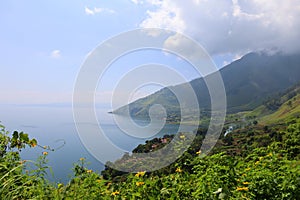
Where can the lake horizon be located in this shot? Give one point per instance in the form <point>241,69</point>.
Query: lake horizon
<point>54,126</point>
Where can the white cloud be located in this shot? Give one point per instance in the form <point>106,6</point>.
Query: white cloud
<point>237,12</point>
<point>55,54</point>
<point>181,45</point>
<point>235,27</point>
<point>225,63</point>
<point>96,10</point>
<point>237,57</point>
<point>166,16</point>
<point>88,11</point>
<point>137,2</point>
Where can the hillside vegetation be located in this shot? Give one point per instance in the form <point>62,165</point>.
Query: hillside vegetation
<point>253,162</point>
<point>248,82</point>
<point>279,108</point>
<point>263,167</point>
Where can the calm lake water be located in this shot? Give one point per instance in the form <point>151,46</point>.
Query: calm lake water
<point>53,126</point>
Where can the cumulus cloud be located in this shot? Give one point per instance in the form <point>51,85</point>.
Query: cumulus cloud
<point>55,54</point>
<point>236,26</point>
<point>167,15</point>
<point>96,10</point>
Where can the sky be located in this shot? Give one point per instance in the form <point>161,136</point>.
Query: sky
<point>44,43</point>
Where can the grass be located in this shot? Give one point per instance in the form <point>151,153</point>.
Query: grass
<point>290,109</point>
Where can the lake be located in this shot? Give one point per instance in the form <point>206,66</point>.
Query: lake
<point>53,125</point>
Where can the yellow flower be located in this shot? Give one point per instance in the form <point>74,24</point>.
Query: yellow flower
<point>60,185</point>
<point>89,171</point>
<point>198,152</point>
<point>257,162</point>
<point>45,153</point>
<point>115,193</point>
<point>33,145</point>
<point>260,158</point>
<point>139,183</point>
<point>246,183</point>
<point>247,169</point>
<point>242,189</point>
<point>45,147</point>
<point>182,137</point>
<point>81,159</point>
<point>139,174</point>
<point>269,155</point>
<point>178,170</point>
<point>22,162</point>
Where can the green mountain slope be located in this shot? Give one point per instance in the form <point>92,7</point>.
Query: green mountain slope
<point>280,109</point>
<point>248,81</point>
<point>277,108</point>
<point>288,110</point>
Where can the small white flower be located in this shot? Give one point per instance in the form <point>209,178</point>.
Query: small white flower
<point>218,191</point>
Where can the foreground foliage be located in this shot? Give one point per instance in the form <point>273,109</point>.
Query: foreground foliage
<point>258,169</point>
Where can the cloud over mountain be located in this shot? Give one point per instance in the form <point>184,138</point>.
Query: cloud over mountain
<point>236,26</point>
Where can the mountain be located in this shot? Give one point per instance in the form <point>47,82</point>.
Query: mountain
<point>248,82</point>
<point>279,109</point>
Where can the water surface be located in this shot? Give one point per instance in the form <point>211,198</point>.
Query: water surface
<point>54,126</point>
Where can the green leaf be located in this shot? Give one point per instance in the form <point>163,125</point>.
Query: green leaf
<point>24,137</point>
<point>15,135</point>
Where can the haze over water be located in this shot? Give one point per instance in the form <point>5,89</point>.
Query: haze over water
<point>53,125</point>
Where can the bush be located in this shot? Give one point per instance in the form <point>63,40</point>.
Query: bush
<point>270,172</point>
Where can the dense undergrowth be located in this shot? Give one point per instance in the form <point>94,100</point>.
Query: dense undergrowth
<point>250,163</point>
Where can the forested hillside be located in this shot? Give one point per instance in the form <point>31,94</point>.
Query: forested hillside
<point>248,82</point>
<point>258,159</point>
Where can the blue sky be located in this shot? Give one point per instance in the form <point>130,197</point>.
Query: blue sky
<point>44,43</point>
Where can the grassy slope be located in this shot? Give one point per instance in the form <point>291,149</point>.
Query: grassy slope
<point>288,110</point>
<point>247,81</point>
